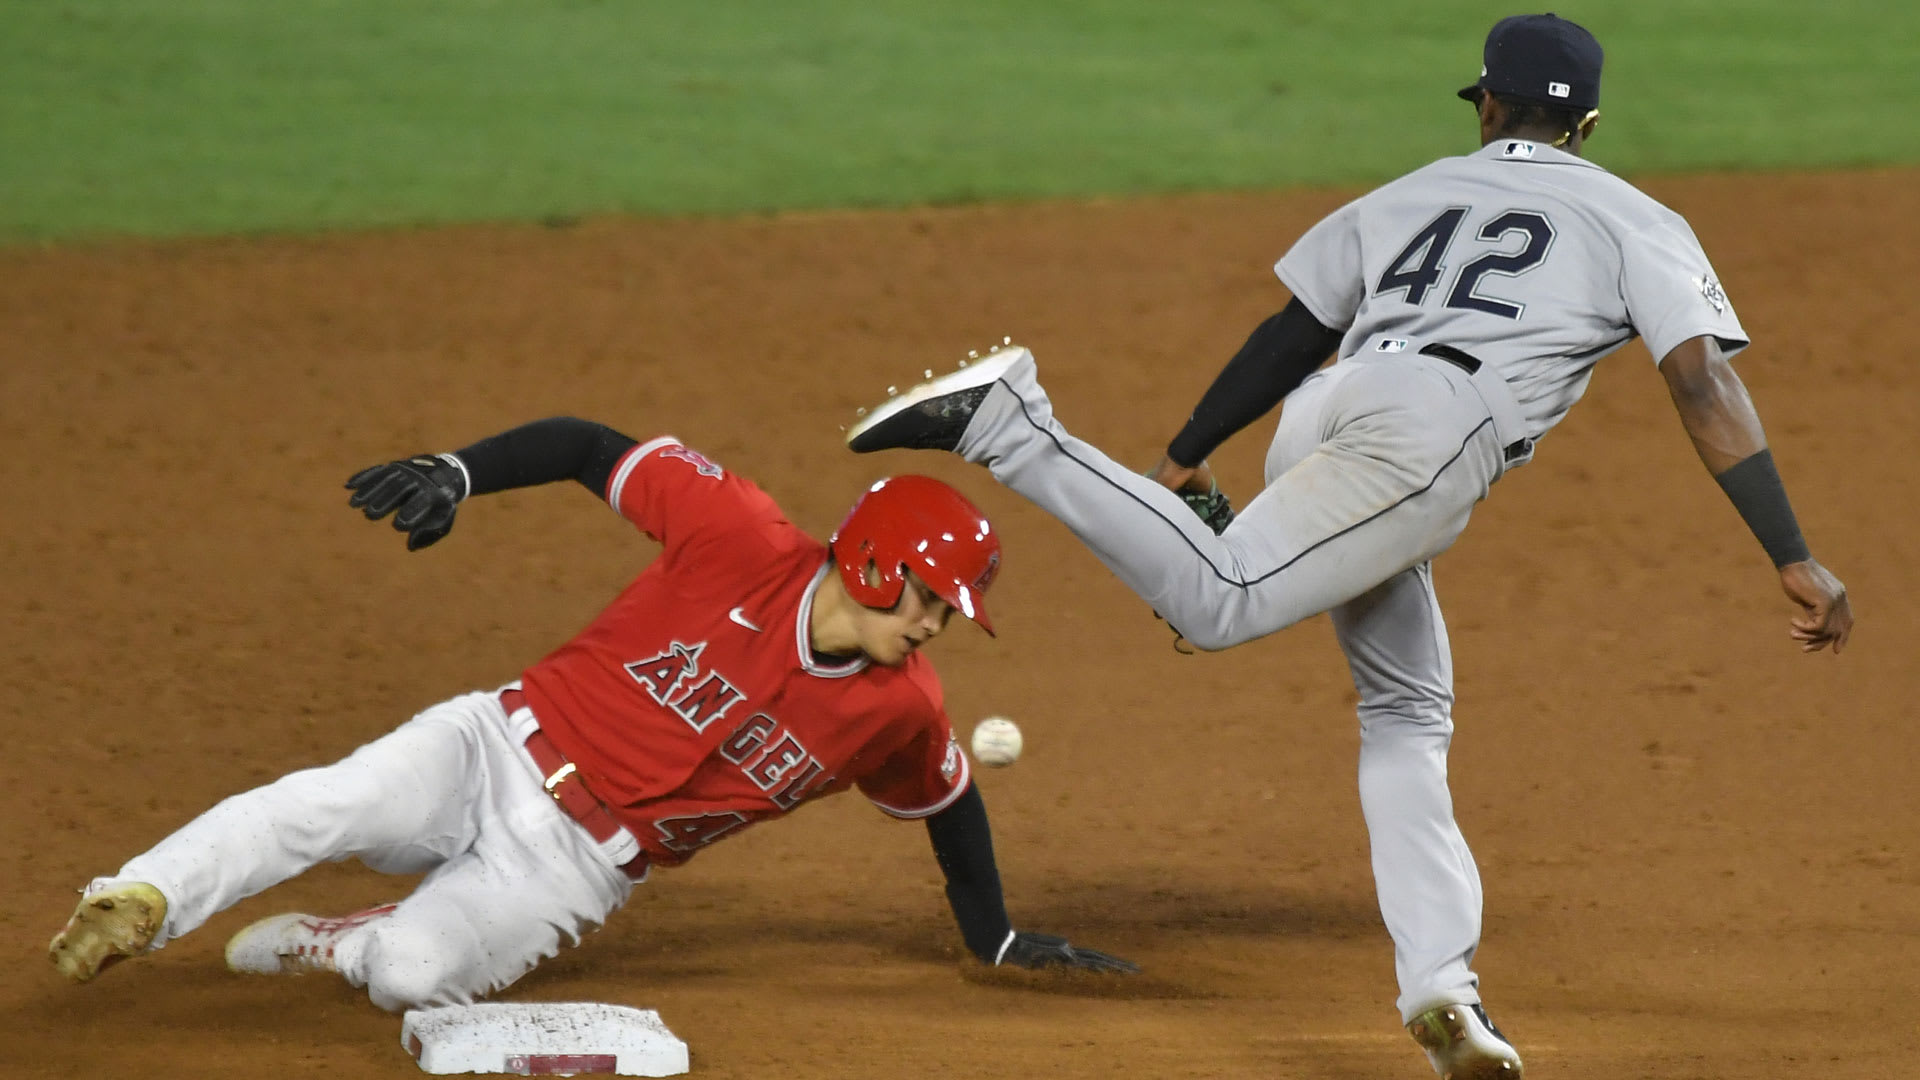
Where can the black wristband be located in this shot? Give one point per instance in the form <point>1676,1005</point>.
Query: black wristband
<point>1753,486</point>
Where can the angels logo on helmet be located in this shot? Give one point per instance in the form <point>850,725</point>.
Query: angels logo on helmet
<point>985,580</point>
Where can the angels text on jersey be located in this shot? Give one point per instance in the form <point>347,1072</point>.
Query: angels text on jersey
<point>766,753</point>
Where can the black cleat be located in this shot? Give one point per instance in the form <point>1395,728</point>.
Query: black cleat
<point>934,414</point>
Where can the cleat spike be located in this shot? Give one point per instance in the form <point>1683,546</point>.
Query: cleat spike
<point>1006,341</point>
<point>936,414</point>
<point>861,411</point>
<point>893,391</point>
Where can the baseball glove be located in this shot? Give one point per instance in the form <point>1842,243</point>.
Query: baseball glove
<point>1210,506</point>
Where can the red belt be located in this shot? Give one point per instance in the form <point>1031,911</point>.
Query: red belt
<point>563,782</point>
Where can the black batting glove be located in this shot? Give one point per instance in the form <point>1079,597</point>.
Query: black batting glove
<point>1037,951</point>
<point>425,490</point>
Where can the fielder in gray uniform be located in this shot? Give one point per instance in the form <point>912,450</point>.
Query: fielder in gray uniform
<point>1467,303</point>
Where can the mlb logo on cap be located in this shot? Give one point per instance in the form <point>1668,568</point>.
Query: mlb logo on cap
<point>1540,58</point>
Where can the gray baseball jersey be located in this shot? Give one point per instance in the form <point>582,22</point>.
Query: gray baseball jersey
<point>1533,260</point>
<point>1476,293</point>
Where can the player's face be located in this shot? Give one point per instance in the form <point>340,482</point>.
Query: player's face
<point>889,637</point>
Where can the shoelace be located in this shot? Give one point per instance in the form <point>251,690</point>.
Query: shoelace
<point>317,954</point>
<point>308,958</point>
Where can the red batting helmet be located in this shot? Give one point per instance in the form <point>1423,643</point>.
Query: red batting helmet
<point>918,524</point>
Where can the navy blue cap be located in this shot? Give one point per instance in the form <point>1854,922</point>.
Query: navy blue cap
<point>1540,58</point>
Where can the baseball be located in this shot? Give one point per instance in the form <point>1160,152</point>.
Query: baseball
<point>996,742</point>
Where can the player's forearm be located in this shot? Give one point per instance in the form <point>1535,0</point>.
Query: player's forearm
<point>963,844</point>
<point>1725,428</point>
<point>559,448</point>
<point>1277,357</point>
<point>1713,405</point>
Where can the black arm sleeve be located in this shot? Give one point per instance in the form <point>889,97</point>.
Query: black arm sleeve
<point>963,842</point>
<point>1278,356</point>
<point>560,448</point>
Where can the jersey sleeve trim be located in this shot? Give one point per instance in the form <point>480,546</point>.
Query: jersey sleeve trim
<point>960,783</point>
<point>627,464</point>
<point>1730,346</point>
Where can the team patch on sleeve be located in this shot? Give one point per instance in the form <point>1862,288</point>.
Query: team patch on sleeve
<point>1714,294</point>
<point>700,462</point>
<point>664,448</point>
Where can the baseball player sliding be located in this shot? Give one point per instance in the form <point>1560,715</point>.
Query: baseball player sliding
<point>1467,303</point>
<point>747,670</point>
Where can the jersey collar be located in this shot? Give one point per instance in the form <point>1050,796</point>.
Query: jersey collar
<point>804,647</point>
<point>1526,150</point>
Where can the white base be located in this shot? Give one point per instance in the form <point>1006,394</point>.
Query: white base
<point>543,1039</point>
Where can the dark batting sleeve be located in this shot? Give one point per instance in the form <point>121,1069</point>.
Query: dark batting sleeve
<point>559,448</point>
<point>1278,356</point>
<point>963,843</point>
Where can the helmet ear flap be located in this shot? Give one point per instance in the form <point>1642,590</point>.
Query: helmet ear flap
<point>865,575</point>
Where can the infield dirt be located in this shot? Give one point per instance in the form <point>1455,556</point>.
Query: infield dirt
<point>1697,844</point>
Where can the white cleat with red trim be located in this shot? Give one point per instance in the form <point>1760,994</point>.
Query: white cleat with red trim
<point>294,943</point>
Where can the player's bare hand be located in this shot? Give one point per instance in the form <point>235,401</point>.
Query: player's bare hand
<point>425,490</point>
<point>1825,617</point>
<point>1037,951</point>
<point>1182,478</point>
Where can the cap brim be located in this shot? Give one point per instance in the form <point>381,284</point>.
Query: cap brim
<point>1472,93</point>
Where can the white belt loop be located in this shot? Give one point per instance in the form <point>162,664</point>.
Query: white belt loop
<point>520,722</point>
<point>621,848</point>
<point>1509,423</point>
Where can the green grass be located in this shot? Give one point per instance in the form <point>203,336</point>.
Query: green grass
<point>165,117</point>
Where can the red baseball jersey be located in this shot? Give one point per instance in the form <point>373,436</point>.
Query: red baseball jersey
<point>694,706</point>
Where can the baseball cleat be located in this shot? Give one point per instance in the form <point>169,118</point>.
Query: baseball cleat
<point>108,926</point>
<point>1463,1044</point>
<point>294,943</point>
<point>934,414</point>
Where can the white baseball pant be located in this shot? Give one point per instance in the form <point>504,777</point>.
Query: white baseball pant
<point>450,792</point>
